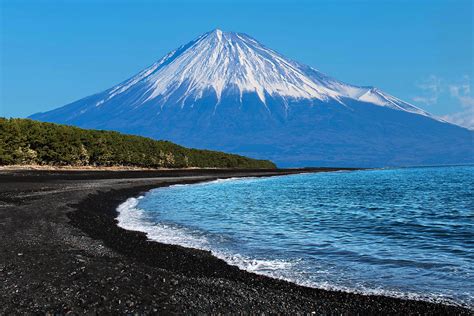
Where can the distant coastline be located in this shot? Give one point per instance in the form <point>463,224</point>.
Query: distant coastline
<point>34,143</point>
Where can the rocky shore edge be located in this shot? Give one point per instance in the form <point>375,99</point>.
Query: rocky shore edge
<point>90,265</point>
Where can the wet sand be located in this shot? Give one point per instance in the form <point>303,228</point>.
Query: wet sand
<point>62,252</point>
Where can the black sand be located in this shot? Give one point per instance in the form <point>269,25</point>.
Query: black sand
<point>61,252</point>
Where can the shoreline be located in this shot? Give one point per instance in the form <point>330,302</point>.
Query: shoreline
<point>396,295</point>
<point>93,265</point>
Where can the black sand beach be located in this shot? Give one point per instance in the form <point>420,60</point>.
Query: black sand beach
<point>61,252</point>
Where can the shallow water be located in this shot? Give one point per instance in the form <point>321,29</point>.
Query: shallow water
<point>399,232</point>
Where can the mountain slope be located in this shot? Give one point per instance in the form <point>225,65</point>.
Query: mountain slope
<point>226,91</point>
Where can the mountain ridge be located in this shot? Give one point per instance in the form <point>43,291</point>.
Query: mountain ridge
<point>226,91</point>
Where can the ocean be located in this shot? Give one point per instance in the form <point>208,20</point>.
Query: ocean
<point>405,232</point>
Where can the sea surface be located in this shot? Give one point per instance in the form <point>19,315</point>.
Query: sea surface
<point>398,232</point>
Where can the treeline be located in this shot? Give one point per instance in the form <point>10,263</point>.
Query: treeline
<point>24,141</point>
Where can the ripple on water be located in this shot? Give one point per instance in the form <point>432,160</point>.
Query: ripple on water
<point>400,232</point>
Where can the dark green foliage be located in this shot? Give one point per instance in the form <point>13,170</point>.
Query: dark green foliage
<point>24,141</point>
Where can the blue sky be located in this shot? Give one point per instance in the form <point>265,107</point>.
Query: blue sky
<point>55,52</point>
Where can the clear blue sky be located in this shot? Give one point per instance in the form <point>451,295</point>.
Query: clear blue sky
<point>55,52</point>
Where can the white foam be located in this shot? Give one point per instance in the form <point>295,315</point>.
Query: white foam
<point>233,179</point>
<point>131,217</point>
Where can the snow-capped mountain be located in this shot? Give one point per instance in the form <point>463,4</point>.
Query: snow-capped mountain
<point>222,61</point>
<point>227,91</point>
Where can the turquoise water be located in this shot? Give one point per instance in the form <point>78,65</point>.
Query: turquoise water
<point>399,232</point>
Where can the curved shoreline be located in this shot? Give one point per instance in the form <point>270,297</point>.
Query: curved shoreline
<point>131,203</point>
<point>204,264</point>
<point>79,260</point>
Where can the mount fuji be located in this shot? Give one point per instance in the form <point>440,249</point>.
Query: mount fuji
<point>226,91</point>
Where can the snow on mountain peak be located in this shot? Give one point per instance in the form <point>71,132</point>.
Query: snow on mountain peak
<point>225,60</point>
<point>218,33</point>
<point>226,91</point>
<point>219,61</point>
